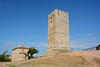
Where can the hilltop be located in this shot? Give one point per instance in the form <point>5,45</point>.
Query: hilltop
<point>69,59</point>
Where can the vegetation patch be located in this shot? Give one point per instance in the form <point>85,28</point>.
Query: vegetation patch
<point>28,63</point>
<point>4,58</point>
<point>12,65</point>
<point>62,50</point>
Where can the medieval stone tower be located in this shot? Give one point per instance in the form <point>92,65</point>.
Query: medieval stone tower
<point>58,30</point>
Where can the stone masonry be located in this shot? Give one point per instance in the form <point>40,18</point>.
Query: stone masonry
<point>19,53</point>
<point>58,30</point>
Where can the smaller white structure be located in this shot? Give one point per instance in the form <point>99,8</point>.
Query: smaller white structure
<point>19,53</point>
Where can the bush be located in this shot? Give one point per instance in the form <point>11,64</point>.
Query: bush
<point>98,47</point>
<point>4,58</point>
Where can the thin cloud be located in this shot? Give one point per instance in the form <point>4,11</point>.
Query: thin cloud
<point>75,44</point>
<point>97,36</point>
<point>84,43</point>
<point>90,34</point>
<point>41,46</point>
<point>11,45</point>
<point>8,46</point>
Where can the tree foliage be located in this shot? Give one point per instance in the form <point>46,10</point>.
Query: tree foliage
<point>98,47</point>
<point>4,58</point>
<point>32,51</point>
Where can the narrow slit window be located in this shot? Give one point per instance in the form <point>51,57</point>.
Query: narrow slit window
<point>51,21</point>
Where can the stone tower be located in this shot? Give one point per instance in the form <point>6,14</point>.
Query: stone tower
<point>58,30</point>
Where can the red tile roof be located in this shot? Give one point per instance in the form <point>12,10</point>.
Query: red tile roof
<point>20,48</point>
<point>22,53</point>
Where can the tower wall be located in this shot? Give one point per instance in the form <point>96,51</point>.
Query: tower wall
<point>51,30</point>
<point>58,30</point>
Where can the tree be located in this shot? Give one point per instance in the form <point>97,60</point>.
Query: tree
<point>32,51</point>
<point>98,47</point>
<point>4,52</point>
<point>4,58</point>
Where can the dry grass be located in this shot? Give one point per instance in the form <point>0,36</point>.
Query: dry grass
<point>70,59</point>
<point>59,61</point>
<point>97,60</point>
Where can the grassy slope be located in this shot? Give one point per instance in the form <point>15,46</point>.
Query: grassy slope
<point>71,59</point>
<point>58,61</point>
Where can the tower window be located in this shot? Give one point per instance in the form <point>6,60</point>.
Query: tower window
<point>51,19</point>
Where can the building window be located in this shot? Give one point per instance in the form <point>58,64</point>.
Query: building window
<point>22,49</point>
<point>51,21</point>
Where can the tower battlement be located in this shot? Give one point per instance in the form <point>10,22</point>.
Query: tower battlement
<point>59,12</point>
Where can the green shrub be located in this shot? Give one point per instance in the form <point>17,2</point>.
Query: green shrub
<point>63,50</point>
<point>4,58</point>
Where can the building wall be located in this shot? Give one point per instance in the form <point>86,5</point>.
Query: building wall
<point>16,56</point>
<point>58,30</point>
<point>51,30</point>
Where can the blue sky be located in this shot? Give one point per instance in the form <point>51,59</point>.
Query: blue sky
<point>25,23</point>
